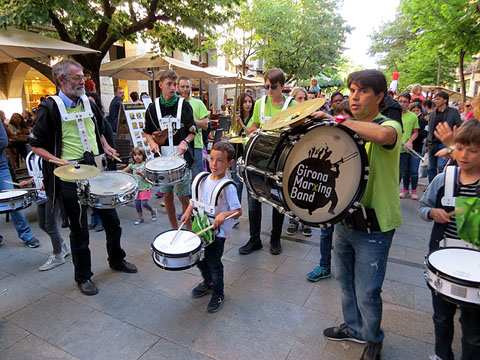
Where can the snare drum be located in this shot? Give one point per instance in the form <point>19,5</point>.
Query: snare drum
<point>108,190</point>
<point>14,200</point>
<point>185,252</point>
<point>316,172</point>
<point>454,274</point>
<point>166,170</point>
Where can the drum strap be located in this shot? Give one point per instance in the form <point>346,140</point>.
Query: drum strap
<point>457,243</point>
<point>264,118</point>
<point>452,174</point>
<point>167,122</point>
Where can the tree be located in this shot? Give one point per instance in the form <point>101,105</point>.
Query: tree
<point>98,24</point>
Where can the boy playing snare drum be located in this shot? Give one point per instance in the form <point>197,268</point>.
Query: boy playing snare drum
<point>467,154</point>
<point>211,267</point>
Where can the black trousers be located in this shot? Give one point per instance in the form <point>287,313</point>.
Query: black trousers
<point>79,236</point>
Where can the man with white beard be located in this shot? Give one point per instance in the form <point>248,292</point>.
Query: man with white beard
<point>69,128</point>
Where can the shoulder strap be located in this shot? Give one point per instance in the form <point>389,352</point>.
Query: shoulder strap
<point>196,183</point>
<point>262,108</point>
<point>451,174</point>
<point>179,108</point>
<point>287,102</point>
<point>157,108</point>
<point>381,120</point>
<point>218,190</point>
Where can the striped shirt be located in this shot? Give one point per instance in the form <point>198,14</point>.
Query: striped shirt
<point>466,191</point>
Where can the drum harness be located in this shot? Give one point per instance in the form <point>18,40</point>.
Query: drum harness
<point>264,118</point>
<point>167,123</point>
<point>34,168</point>
<point>201,209</point>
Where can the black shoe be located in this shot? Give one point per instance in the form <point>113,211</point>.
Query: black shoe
<point>65,224</point>
<point>275,248</point>
<point>90,227</point>
<point>124,266</point>
<point>341,333</point>
<point>215,303</point>
<point>201,289</point>
<point>88,288</point>
<point>99,228</point>
<point>250,247</point>
<point>372,351</point>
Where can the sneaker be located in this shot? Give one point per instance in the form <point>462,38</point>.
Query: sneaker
<point>201,289</point>
<point>434,357</point>
<point>372,351</point>
<point>179,216</point>
<point>306,230</point>
<point>341,333</point>
<point>159,194</point>
<point>52,262</point>
<point>215,303</point>
<point>319,273</point>
<point>92,226</point>
<point>162,204</point>
<point>236,222</point>
<point>34,243</point>
<point>404,194</point>
<point>414,195</point>
<point>139,221</point>
<point>66,251</point>
<point>292,228</point>
<point>155,215</point>
<point>99,228</point>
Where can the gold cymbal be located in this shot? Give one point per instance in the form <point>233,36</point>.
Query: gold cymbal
<point>76,172</point>
<point>293,114</point>
<point>237,140</point>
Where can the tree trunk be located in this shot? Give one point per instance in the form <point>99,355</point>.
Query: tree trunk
<point>439,72</point>
<point>462,75</point>
<point>43,69</point>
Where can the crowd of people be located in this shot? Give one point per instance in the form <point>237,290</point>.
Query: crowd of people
<point>360,242</point>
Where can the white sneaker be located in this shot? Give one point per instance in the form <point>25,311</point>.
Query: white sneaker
<point>52,262</point>
<point>66,250</point>
<point>434,357</point>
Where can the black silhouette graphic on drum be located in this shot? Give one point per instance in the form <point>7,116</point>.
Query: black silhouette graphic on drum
<point>311,184</point>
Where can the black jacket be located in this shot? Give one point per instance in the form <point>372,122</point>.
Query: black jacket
<point>451,116</point>
<point>47,134</point>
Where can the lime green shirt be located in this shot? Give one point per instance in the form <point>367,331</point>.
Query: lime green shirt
<point>71,144</point>
<point>270,110</point>
<point>410,123</point>
<point>381,193</point>
<point>199,112</point>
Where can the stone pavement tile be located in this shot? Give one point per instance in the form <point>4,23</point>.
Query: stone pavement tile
<point>229,338</point>
<point>326,298</point>
<point>34,348</point>
<point>16,293</point>
<point>181,321</point>
<point>397,251</point>
<point>115,298</point>
<point>274,285</point>
<point>240,234</point>
<point>344,350</point>
<point>232,271</point>
<point>22,264</point>
<point>415,237</point>
<point>49,315</point>
<point>396,347</point>
<point>99,336</point>
<point>398,293</point>
<point>167,350</point>
<point>12,247</point>
<point>415,255</point>
<point>295,268</point>
<point>422,298</point>
<point>150,277</point>
<point>260,259</point>
<point>310,329</point>
<point>405,274</point>
<point>410,323</point>
<point>3,274</point>
<point>296,250</point>
<point>301,351</point>
<point>10,334</point>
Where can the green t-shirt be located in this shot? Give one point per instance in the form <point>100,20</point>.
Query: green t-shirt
<point>199,112</point>
<point>142,183</point>
<point>71,144</point>
<point>381,193</point>
<point>270,110</point>
<point>410,123</point>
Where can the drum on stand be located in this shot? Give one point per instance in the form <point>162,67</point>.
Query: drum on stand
<point>166,170</point>
<point>454,274</point>
<point>14,200</point>
<point>315,173</point>
<point>108,190</point>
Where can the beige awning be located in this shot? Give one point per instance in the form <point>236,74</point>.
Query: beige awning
<point>454,95</point>
<point>16,43</point>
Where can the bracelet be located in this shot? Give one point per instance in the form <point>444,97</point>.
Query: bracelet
<point>340,118</point>
<point>188,142</point>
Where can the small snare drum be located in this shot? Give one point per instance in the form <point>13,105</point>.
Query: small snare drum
<point>108,190</point>
<point>185,252</point>
<point>14,200</point>
<point>454,274</point>
<point>166,170</point>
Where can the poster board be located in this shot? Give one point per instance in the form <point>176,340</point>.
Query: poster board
<point>130,129</point>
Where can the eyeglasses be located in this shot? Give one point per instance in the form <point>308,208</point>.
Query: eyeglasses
<point>267,87</point>
<point>76,77</point>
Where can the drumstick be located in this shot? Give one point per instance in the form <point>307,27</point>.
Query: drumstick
<point>209,228</point>
<point>149,181</point>
<point>456,211</point>
<point>178,231</point>
<point>11,182</point>
<point>116,158</point>
<point>56,162</point>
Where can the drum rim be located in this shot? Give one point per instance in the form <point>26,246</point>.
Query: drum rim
<point>452,299</point>
<point>448,277</point>
<point>19,196</point>
<point>156,251</point>
<point>186,267</point>
<point>184,164</point>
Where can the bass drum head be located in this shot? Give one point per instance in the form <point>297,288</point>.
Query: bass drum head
<point>325,174</point>
<point>112,182</point>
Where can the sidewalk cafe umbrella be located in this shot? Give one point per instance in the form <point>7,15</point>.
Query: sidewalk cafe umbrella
<point>16,44</point>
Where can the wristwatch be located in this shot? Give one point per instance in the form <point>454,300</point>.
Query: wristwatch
<point>340,118</point>
<point>450,149</point>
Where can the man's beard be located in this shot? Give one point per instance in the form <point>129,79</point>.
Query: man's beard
<point>75,91</point>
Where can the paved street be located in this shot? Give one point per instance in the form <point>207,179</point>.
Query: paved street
<point>271,311</point>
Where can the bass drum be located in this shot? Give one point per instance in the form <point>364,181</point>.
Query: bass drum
<point>316,172</point>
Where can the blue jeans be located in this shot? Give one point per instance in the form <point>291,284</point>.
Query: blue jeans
<point>237,181</point>
<point>211,266</point>
<point>409,170</point>
<point>326,235</point>
<point>19,219</point>
<point>197,166</point>
<point>443,321</point>
<point>361,262</point>
<point>255,221</point>
<point>435,164</point>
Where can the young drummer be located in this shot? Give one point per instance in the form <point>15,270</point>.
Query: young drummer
<point>467,154</point>
<point>211,267</point>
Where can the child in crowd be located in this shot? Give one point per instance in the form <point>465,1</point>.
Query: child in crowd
<point>211,267</point>
<point>467,154</point>
<point>144,188</point>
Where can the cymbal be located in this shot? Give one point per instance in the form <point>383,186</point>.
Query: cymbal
<point>293,114</point>
<point>237,140</point>
<point>76,172</point>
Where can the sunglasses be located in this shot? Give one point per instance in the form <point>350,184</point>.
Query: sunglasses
<point>267,87</point>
